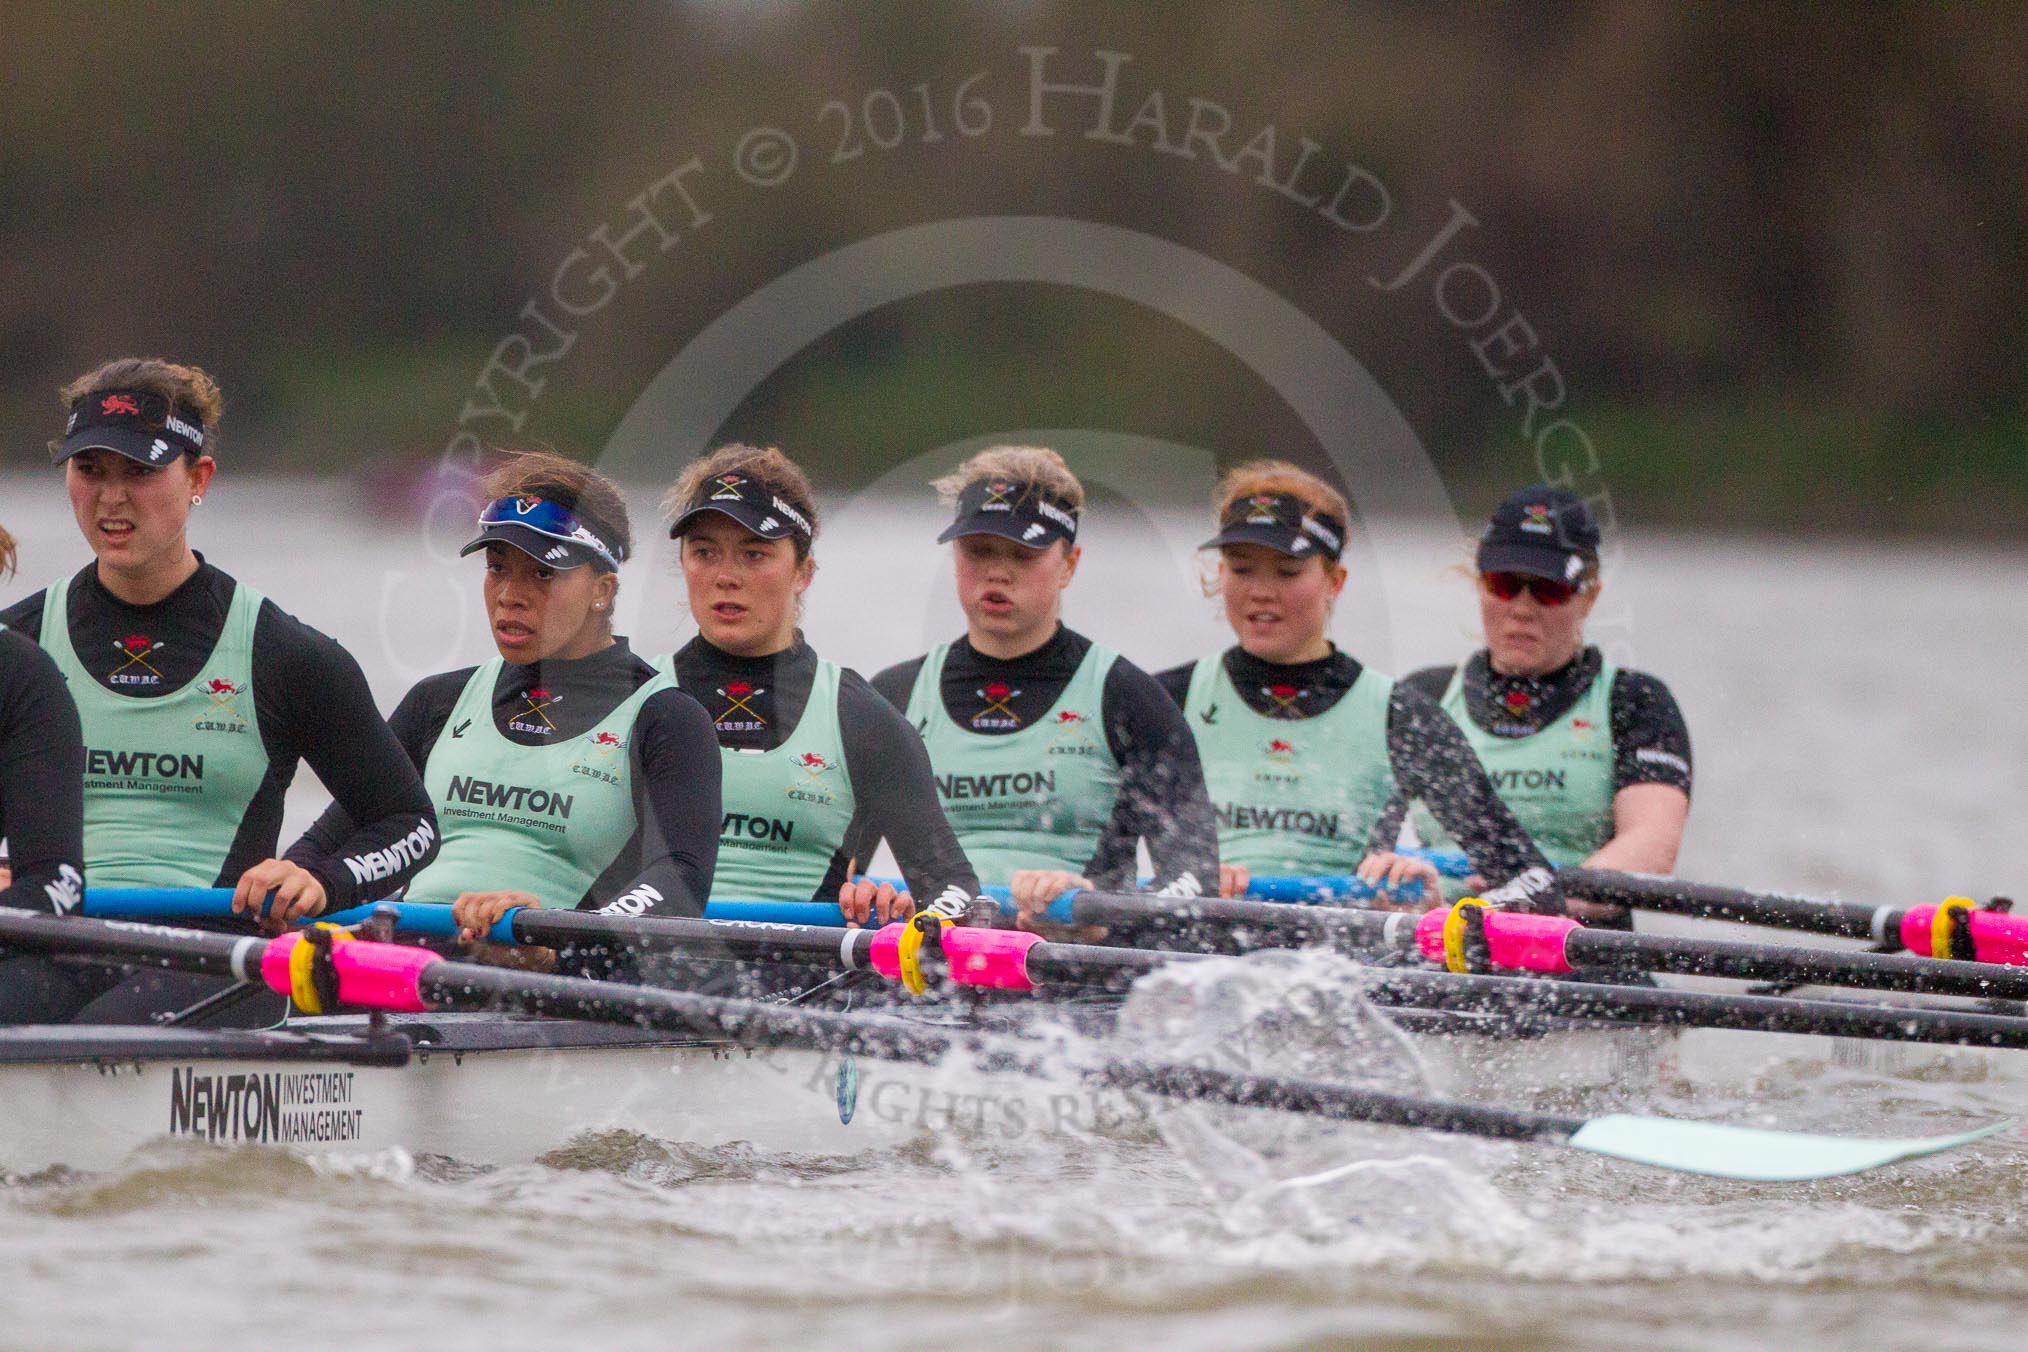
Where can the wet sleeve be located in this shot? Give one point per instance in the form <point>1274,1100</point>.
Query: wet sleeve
<point>1433,762</point>
<point>1162,797</point>
<point>416,723</point>
<point>1651,742</point>
<point>330,722</point>
<point>24,617</point>
<point>1431,681</point>
<point>666,869</point>
<point>1175,682</point>
<point>895,683</point>
<point>896,795</point>
<point>41,782</point>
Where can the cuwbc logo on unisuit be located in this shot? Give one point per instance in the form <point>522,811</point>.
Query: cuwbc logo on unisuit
<point>222,711</point>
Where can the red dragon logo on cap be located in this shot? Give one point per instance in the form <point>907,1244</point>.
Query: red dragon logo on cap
<point>120,403</point>
<point>136,643</point>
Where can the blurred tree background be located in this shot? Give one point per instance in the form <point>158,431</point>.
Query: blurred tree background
<point>1776,250</point>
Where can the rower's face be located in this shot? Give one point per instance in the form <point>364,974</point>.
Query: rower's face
<point>537,612</point>
<point>1526,638</point>
<point>1278,607</point>
<point>743,589</point>
<point>1010,591</point>
<point>133,515</point>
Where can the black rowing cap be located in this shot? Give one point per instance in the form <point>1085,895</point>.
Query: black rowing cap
<point>1282,522</point>
<point>1025,513</point>
<point>1543,531</point>
<point>746,500</point>
<point>139,424</point>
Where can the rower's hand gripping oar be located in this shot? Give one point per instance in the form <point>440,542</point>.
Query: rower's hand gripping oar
<point>402,979</point>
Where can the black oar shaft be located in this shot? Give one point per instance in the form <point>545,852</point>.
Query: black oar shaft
<point>1342,1102</point>
<point>1780,962</point>
<point>1846,919</point>
<point>752,941</point>
<point>1246,923</point>
<point>1754,1013</point>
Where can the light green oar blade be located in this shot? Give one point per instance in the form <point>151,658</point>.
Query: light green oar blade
<point>1752,1153</point>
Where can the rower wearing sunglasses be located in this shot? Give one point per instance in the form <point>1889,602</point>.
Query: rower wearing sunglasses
<point>566,771</point>
<point>1593,758</point>
<point>198,699</point>
<point>1307,752</point>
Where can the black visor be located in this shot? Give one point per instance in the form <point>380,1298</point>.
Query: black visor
<point>139,424</point>
<point>1283,523</point>
<point>1543,531</point>
<point>749,502</point>
<point>1022,512</point>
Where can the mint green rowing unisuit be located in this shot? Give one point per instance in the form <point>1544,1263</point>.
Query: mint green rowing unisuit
<point>546,820</point>
<point>1559,781</point>
<point>1292,795</point>
<point>168,778</point>
<point>787,809</point>
<point>1037,798</point>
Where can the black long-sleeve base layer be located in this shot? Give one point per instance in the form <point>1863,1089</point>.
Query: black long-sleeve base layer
<point>1651,742</point>
<point>1162,798</point>
<point>41,780</point>
<point>756,703</point>
<point>665,867</point>
<point>314,708</point>
<point>1428,754</point>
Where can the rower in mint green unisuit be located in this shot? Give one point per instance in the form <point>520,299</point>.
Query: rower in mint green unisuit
<point>543,819</point>
<point>198,699</point>
<point>1053,754</point>
<point>1032,798</point>
<point>1594,759</point>
<point>168,778</point>
<point>1310,756</point>
<point>817,768</point>
<point>566,771</point>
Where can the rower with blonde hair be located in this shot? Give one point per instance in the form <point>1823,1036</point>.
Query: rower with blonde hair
<point>1056,757</point>
<point>1306,750</point>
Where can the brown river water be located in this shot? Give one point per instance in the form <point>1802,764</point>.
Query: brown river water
<point>1860,731</point>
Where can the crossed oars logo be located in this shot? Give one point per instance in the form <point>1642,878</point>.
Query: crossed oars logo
<point>137,648</point>
<point>537,700</point>
<point>996,696</point>
<point>739,692</point>
<point>813,767</point>
<point>998,493</point>
<point>1285,697</point>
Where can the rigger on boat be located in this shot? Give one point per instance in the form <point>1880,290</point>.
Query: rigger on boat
<point>603,888</point>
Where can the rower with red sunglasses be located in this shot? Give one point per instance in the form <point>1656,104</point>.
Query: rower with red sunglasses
<point>1593,759</point>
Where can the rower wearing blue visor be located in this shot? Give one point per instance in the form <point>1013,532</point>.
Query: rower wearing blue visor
<point>566,771</point>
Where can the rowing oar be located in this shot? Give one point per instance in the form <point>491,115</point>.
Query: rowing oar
<point>1016,960</point>
<point>1958,928</point>
<point>1471,937</point>
<point>1490,940</point>
<point>386,976</point>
